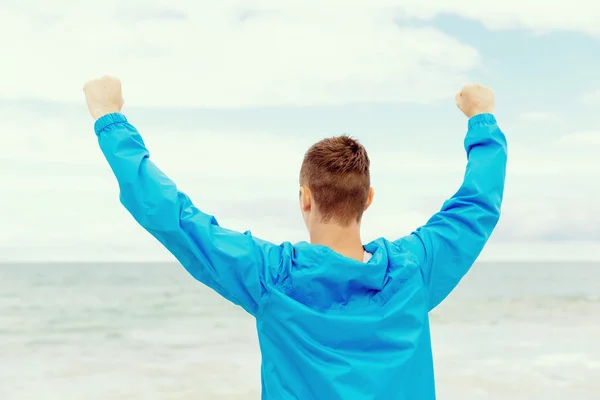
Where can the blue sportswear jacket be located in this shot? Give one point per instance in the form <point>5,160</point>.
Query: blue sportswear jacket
<point>329,327</point>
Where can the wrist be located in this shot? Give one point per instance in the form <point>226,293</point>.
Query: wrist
<point>480,111</point>
<point>481,119</point>
<point>101,112</point>
<point>108,120</point>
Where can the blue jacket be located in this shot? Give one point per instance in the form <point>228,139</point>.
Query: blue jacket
<point>329,327</point>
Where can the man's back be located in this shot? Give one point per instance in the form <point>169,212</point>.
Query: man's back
<point>336,328</point>
<point>330,326</point>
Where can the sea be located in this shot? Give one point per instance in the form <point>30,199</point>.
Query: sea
<point>150,331</point>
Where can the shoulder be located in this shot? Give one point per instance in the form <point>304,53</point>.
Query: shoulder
<point>276,259</point>
<point>403,255</point>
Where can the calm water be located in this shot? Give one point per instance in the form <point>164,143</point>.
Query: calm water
<point>149,331</point>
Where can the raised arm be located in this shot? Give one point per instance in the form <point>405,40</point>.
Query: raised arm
<point>233,264</point>
<point>450,242</point>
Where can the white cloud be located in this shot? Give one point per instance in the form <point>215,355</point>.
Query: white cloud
<point>569,252</point>
<point>215,57</point>
<point>580,141</point>
<point>592,98</point>
<point>539,16</point>
<point>232,53</point>
<point>571,156</point>
<point>539,116</point>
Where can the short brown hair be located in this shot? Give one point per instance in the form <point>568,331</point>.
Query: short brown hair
<point>336,170</point>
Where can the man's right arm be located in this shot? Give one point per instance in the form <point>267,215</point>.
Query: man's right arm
<point>450,242</point>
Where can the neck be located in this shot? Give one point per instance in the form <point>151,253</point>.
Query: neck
<point>344,240</point>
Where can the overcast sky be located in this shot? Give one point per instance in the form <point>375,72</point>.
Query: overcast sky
<point>229,95</point>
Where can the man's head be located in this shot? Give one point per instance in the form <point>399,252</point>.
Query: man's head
<point>335,183</point>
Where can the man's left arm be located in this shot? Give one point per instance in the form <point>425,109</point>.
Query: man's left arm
<point>233,264</point>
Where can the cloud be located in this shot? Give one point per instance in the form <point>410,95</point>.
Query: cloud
<point>539,116</point>
<point>570,156</point>
<point>568,252</point>
<point>141,14</point>
<point>539,16</point>
<point>234,53</point>
<point>550,219</point>
<point>228,54</point>
<point>589,140</point>
<point>592,98</point>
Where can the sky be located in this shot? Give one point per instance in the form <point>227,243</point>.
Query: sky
<point>228,96</point>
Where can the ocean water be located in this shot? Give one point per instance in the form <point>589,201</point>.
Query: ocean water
<point>150,331</point>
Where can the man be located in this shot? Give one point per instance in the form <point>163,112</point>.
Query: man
<point>335,319</point>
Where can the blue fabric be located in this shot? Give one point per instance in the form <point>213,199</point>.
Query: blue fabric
<point>329,327</point>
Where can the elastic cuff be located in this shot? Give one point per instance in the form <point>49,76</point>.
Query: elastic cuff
<point>481,119</point>
<point>108,119</point>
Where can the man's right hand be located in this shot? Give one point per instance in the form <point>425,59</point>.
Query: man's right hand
<point>475,99</point>
<point>103,96</point>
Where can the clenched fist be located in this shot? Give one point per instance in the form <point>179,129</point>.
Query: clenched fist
<point>103,96</point>
<point>475,99</point>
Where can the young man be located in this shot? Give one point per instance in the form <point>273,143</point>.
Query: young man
<point>335,319</point>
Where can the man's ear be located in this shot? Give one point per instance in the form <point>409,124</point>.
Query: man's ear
<point>305,198</point>
<point>370,198</point>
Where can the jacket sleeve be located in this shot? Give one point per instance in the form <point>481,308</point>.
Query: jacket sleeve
<point>450,242</point>
<point>233,264</point>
